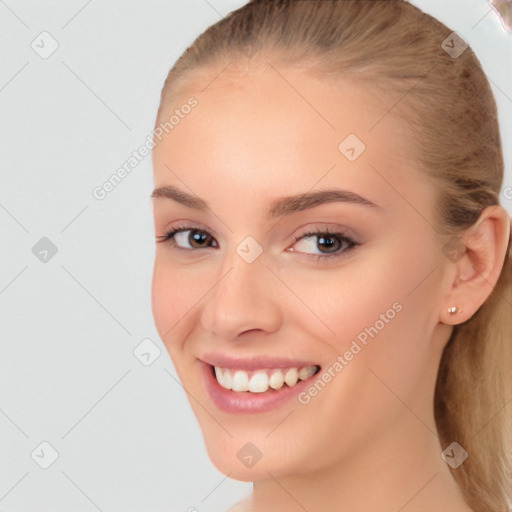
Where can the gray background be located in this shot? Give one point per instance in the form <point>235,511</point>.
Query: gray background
<point>124,432</point>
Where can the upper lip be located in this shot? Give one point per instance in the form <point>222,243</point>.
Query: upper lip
<point>253,362</point>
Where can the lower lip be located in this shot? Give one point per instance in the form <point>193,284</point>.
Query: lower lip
<point>246,402</point>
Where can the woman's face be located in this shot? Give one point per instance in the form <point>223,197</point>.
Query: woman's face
<point>242,285</point>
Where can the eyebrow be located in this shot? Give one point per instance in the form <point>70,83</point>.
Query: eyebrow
<point>280,206</point>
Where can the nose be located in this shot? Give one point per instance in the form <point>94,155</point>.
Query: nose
<point>245,297</point>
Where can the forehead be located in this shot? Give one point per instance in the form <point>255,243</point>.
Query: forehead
<point>267,127</point>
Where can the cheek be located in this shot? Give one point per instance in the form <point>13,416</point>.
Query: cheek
<point>385,326</point>
<point>173,296</point>
<point>378,309</point>
<point>344,302</point>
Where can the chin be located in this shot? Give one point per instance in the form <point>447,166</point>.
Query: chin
<point>245,461</point>
<point>231,466</point>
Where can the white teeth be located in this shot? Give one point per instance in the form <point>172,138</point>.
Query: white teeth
<point>223,378</point>
<point>219,375</point>
<point>306,372</point>
<point>291,377</point>
<point>276,381</point>
<point>260,381</point>
<point>240,381</point>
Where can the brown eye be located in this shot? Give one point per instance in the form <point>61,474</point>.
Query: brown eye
<point>335,244</point>
<point>187,238</point>
<point>196,238</point>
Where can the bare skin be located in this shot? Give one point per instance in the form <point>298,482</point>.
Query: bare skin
<point>368,440</point>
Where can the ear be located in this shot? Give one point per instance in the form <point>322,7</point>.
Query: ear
<point>473,264</point>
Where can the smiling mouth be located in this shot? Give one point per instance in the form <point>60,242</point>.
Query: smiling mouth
<point>261,381</point>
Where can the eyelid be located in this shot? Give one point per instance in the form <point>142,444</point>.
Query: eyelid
<point>188,225</point>
<point>185,224</point>
<point>324,227</point>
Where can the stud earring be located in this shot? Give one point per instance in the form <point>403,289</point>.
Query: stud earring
<point>453,310</point>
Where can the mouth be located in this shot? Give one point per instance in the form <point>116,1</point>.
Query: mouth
<point>262,380</point>
<point>238,390</point>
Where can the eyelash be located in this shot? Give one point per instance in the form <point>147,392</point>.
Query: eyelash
<point>169,237</point>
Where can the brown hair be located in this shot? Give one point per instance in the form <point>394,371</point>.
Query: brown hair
<point>448,107</point>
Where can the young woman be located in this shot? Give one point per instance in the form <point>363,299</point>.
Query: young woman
<point>332,277</point>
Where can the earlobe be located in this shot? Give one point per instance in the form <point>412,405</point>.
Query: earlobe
<point>479,266</point>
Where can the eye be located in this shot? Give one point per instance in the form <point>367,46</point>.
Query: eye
<point>190,238</point>
<point>335,243</point>
<point>181,236</point>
